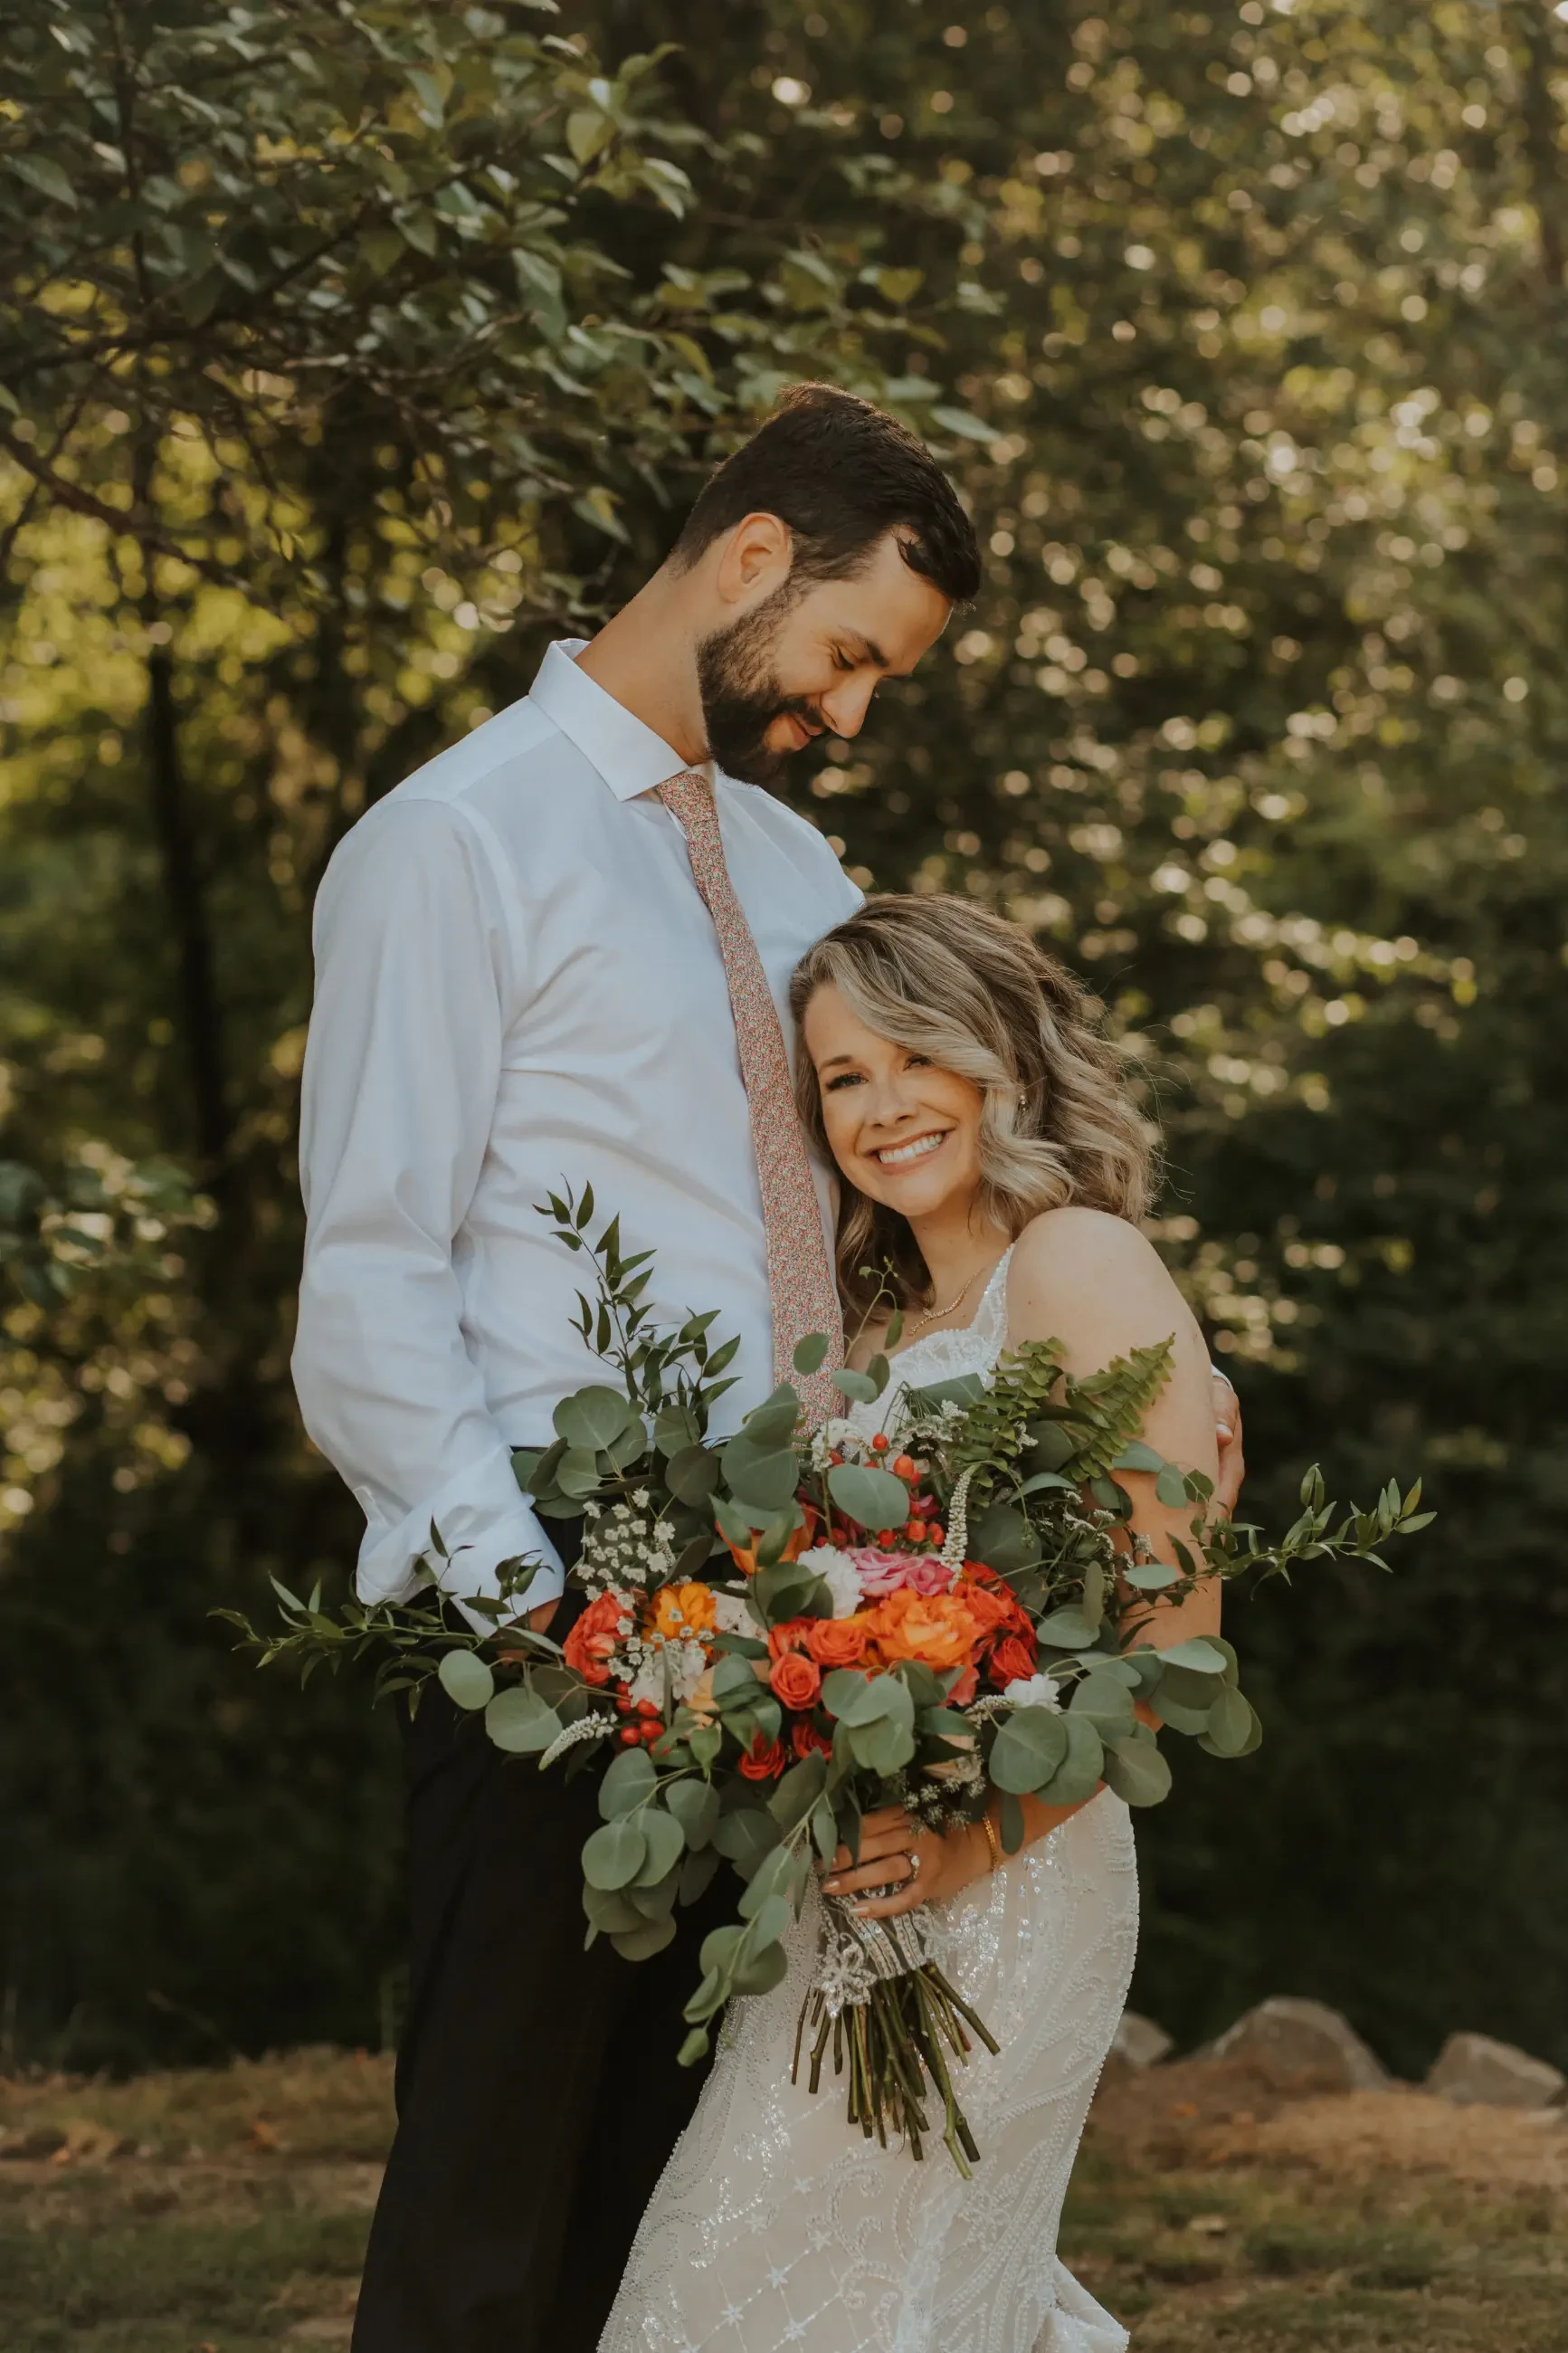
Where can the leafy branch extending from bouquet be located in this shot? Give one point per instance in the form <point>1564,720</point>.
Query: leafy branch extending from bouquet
<point>783,1628</point>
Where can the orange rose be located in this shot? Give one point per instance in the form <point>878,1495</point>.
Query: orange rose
<point>962,1690</point>
<point>593,1638</point>
<point>804,1738</point>
<point>796,1680</point>
<point>762,1761</point>
<point>683,1609</point>
<point>937,1629</point>
<point>1014,1660</point>
<point>791,1636</point>
<point>839,1641</point>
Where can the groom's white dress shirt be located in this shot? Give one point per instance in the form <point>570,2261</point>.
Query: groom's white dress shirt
<point>518,988</point>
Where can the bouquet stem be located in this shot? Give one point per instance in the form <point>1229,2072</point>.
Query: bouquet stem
<point>896,2023</point>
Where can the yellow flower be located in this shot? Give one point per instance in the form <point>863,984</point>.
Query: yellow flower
<point>683,1609</point>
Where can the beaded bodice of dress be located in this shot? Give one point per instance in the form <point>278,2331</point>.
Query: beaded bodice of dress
<point>972,1347</point>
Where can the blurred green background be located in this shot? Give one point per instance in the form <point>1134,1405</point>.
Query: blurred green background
<point>350,353</point>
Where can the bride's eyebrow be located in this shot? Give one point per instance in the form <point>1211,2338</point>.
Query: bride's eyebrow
<point>834,1062</point>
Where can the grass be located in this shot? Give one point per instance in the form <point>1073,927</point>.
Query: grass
<point>226,2212</point>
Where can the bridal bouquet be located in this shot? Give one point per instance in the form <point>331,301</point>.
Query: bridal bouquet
<point>790,1628</point>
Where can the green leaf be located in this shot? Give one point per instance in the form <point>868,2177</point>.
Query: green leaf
<point>466,1678</point>
<point>873,1498</point>
<point>1027,1749</point>
<point>1137,1771</point>
<point>1068,1630</point>
<point>615,1854</point>
<point>578,1475</point>
<point>675,1429</point>
<point>628,1783</point>
<point>797,1792</point>
<point>860,1386</point>
<point>665,1845</point>
<point>762,1969</point>
<point>695,1805</point>
<point>1137,1456</point>
<point>1199,1654</point>
<point>588,133</point>
<point>692,1475</point>
<point>518,1721</point>
<point>1105,1700</point>
<point>967,427</point>
<point>641,1944</point>
<point>1170,1487</point>
<point>1012,1825</point>
<point>592,1417</point>
<point>697,1876</point>
<point>1152,1577</point>
<point>42,172</point>
<point>1229,1727</point>
<point>773,1423</point>
<point>610,1911</point>
<point>811,1354</point>
<point>1079,1773</point>
<point>760,1483</point>
<point>694,2048</point>
<point>1003,1538</point>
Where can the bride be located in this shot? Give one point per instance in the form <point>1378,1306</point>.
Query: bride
<point>990,1159</point>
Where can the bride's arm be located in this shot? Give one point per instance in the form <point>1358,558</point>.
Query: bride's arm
<point>1092,1284</point>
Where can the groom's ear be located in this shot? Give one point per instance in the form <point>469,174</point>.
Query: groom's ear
<point>753,560</point>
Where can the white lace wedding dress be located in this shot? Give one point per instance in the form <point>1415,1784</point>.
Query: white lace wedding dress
<point>776,2224</point>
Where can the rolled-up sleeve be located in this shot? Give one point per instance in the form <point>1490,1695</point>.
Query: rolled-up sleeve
<point>415,973</point>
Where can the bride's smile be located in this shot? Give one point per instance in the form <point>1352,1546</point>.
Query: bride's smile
<point>905,1133</point>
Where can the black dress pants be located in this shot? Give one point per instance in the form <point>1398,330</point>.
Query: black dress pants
<point>538,2094</point>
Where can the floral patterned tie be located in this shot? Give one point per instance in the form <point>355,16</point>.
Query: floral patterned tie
<point>800,1274</point>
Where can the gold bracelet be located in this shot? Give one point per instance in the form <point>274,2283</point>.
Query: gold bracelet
<point>992,1840</point>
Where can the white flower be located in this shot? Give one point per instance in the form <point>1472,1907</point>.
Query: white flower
<point>1034,1691</point>
<point>838,1571</point>
<point>731,1615</point>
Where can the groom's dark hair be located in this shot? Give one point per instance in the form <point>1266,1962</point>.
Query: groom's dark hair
<point>842,475</point>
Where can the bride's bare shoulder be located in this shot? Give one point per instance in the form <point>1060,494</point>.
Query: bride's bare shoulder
<point>1094,1281</point>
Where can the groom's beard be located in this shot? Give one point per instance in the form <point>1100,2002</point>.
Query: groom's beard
<point>741,697</point>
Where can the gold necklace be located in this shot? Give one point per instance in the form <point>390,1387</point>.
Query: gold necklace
<point>934,1314</point>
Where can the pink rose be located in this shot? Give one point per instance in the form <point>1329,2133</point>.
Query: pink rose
<point>882,1573</point>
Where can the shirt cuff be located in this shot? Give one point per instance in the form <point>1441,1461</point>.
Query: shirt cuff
<point>482,1520</point>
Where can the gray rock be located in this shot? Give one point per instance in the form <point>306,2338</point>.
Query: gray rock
<point>1139,2041</point>
<point>1473,2068</point>
<point>1291,2041</point>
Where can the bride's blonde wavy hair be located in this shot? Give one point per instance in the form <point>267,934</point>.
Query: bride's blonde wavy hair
<point>946,978</point>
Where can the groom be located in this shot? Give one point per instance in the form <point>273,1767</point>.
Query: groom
<point>555,953</point>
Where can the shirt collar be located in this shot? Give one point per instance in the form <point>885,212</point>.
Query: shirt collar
<point>628,756</point>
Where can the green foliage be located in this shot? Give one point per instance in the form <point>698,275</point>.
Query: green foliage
<point>1259,720</point>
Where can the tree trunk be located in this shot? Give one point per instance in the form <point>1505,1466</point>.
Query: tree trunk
<point>200,1022</point>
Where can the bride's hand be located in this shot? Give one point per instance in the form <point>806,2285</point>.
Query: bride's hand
<point>917,1865</point>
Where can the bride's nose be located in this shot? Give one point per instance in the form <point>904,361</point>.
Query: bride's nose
<point>890,1101</point>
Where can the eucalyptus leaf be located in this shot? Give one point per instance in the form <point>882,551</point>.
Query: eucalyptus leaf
<point>810,1354</point>
<point>859,1387</point>
<point>629,1782</point>
<point>592,1417</point>
<point>1204,1657</point>
<point>760,1483</point>
<point>578,1475</point>
<point>1029,1746</point>
<point>640,1944</point>
<point>1229,1726</point>
<point>466,1678</point>
<point>692,1474</point>
<point>1138,1772</point>
<point>1170,1487</point>
<point>1138,1456</point>
<point>613,1857</point>
<point>665,1841</point>
<point>520,1722</point>
<point>695,1805</point>
<point>874,1499</point>
<point>1078,1774</point>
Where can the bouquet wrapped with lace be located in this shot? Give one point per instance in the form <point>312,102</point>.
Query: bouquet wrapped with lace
<point>789,1627</point>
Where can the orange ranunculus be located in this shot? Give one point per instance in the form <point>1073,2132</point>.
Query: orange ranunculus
<point>796,1680</point>
<point>938,1629</point>
<point>683,1609</point>
<point>763,1759</point>
<point>1014,1660</point>
<point>840,1641</point>
<point>593,1638</point>
<point>962,1690</point>
<point>791,1636</point>
<point>990,1609</point>
<point>804,1738</point>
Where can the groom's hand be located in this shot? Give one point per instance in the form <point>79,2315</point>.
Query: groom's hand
<point>1227,1430</point>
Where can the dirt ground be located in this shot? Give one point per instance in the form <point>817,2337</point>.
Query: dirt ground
<point>225,2211</point>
